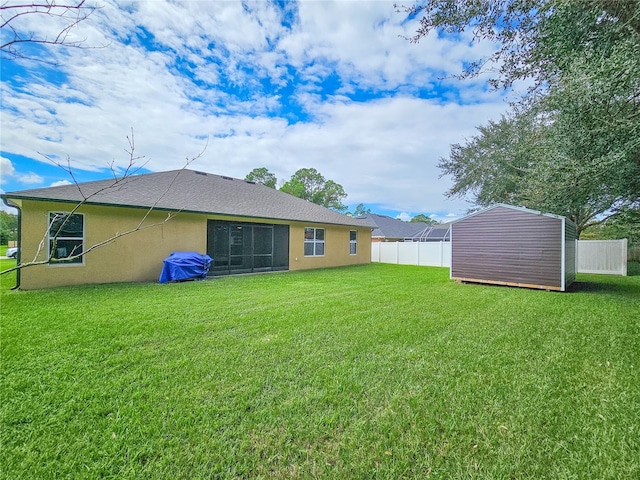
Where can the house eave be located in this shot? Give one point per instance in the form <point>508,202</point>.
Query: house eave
<point>8,197</point>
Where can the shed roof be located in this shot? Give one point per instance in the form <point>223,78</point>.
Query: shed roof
<point>512,207</point>
<point>191,191</point>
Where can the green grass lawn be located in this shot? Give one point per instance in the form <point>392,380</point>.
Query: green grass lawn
<point>378,371</point>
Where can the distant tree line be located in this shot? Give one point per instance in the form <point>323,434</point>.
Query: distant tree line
<point>8,227</point>
<point>309,184</point>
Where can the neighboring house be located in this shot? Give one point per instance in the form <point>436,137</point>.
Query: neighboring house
<point>246,227</point>
<point>387,229</point>
<point>514,246</point>
<point>440,232</point>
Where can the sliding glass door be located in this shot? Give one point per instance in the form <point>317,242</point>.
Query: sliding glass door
<point>247,247</point>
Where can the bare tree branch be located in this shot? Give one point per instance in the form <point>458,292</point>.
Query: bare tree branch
<point>69,12</point>
<point>119,180</point>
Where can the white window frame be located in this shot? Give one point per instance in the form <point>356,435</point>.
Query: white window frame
<point>315,241</point>
<point>353,243</point>
<point>50,239</point>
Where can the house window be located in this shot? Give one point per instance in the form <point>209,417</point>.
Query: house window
<point>66,237</point>
<point>353,242</point>
<point>313,242</point>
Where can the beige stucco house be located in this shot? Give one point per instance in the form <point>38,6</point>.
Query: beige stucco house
<point>245,227</point>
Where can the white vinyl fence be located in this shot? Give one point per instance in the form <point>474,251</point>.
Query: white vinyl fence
<point>602,256</point>
<point>592,256</point>
<point>425,254</point>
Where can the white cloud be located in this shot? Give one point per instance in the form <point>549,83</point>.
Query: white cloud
<point>60,183</point>
<point>30,178</point>
<point>6,167</point>
<point>404,216</point>
<point>384,150</point>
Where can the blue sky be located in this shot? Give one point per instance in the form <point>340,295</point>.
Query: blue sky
<point>283,85</point>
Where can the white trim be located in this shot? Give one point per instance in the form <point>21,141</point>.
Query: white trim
<point>61,262</point>
<point>563,256</point>
<point>355,242</point>
<point>512,207</point>
<point>315,241</point>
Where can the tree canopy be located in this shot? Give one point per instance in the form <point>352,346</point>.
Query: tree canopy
<point>422,218</point>
<point>571,146</point>
<point>361,210</point>
<point>263,176</point>
<point>624,225</point>
<point>8,227</point>
<point>549,163</point>
<point>535,39</point>
<point>309,184</point>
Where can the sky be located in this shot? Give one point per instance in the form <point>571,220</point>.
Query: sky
<point>330,85</point>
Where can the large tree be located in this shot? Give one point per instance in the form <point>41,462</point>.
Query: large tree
<point>534,38</point>
<point>543,162</point>
<point>572,145</point>
<point>309,184</point>
<point>263,176</point>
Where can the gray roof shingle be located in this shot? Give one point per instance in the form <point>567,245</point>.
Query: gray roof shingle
<point>192,191</point>
<point>387,227</point>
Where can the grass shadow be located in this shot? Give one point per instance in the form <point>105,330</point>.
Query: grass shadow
<point>627,290</point>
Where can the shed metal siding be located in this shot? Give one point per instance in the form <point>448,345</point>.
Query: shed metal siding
<point>505,245</point>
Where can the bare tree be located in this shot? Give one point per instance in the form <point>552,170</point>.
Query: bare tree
<point>60,221</point>
<point>67,13</point>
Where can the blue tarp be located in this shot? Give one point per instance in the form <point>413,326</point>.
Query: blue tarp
<point>185,266</point>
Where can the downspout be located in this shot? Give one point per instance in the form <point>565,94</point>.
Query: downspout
<point>6,202</point>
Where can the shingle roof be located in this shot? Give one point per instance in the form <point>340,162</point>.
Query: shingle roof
<point>387,227</point>
<point>192,191</point>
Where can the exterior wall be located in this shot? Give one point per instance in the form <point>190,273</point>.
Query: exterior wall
<point>336,247</point>
<point>131,258</point>
<point>508,246</point>
<point>138,257</point>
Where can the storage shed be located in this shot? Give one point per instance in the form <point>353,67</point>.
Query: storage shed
<point>507,245</point>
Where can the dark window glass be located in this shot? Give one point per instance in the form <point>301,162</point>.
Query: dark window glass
<point>66,237</point>
<point>313,241</point>
<point>308,249</point>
